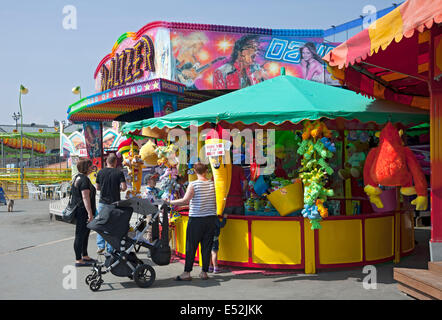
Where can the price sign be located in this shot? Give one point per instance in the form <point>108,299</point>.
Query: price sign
<point>83,152</point>
<point>213,150</point>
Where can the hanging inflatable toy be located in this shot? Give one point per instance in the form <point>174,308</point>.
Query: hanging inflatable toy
<point>221,165</point>
<point>393,165</point>
<point>132,161</point>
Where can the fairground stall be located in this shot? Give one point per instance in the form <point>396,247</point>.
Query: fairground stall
<point>168,66</point>
<point>399,59</point>
<point>309,205</point>
<point>372,63</point>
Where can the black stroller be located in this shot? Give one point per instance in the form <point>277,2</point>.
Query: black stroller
<point>113,225</point>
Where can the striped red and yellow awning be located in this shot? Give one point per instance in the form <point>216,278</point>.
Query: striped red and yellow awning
<point>364,64</point>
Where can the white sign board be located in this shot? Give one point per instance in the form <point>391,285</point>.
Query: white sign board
<point>213,150</point>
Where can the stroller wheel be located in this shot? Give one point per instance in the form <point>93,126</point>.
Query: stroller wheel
<point>89,278</point>
<point>144,275</point>
<point>95,284</point>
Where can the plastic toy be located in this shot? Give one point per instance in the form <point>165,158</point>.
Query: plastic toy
<point>391,164</point>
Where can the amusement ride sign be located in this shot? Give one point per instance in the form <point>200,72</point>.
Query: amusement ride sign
<point>129,65</point>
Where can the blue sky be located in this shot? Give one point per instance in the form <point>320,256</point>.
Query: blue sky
<point>38,52</point>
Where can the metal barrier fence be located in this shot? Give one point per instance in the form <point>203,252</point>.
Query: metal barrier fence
<point>10,179</point>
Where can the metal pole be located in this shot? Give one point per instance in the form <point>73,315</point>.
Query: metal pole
<point>21,148</point>
<point>32,154</point>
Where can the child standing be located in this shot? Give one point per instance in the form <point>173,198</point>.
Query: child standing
<point>214,261</point>
<point>152,193</point>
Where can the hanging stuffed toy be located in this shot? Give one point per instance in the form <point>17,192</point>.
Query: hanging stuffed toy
<point>355,164</point>
<point>391,164</point>
<point>148,154</point>
<point>315,149</point>
<point>221,166</point>
<point>134,164</point>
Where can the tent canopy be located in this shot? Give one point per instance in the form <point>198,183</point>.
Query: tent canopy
<point>400,73</point>
<point>285,98</point>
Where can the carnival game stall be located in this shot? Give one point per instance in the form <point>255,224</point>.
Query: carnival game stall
<point>372,63</point>
<point>319,206</point>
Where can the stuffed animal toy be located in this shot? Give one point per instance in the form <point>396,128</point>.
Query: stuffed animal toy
<point>148,154</point>
<point>392,164</point>
<point>134,164</point>
<point>355,164</point>
<point>328,144</point>
<point>323,211</point>
<point>172,172</point>
<point>308,127</point>
<point>319,130</point>
<point>315,149</point>
<point>167,155</point>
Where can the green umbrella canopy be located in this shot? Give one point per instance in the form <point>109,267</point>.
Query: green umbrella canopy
<point>286,98</point>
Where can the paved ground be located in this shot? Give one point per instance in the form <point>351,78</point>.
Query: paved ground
<point>34,251</point>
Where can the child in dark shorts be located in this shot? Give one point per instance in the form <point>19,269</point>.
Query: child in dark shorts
<point>215,247</point>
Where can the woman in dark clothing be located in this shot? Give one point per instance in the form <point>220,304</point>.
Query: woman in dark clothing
<point>83,192</point>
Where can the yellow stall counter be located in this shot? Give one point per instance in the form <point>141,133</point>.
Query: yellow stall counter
<point>290,243</point>
<point>274,242</point>
<point>340,241</point>
<point>379,238</point>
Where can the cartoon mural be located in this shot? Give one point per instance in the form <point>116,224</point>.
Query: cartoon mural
<point>206,57</point>
<point>207,60</point>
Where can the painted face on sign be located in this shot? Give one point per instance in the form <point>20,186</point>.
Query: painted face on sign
<point>306,54</point>
<point>248,53</point>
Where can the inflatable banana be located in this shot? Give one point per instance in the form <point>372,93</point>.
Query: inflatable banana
<point>222,173</point>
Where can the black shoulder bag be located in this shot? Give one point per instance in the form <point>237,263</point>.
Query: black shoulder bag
<point>68,213</point>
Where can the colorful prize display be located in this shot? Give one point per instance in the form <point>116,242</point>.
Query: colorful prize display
<point>327,177</point>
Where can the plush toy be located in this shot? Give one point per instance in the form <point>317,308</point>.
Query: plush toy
<point>171,172</point>
<point>308,127</point>
<point>134,164</point>
<point>148,154</point>
<point>319,130</point>
<point>315,149</point>
<point>355,164</point>
<point>167,155</point>
<point>392,164</point>
<point>323,211</point>
<point>311,212</point>
<point>328,144</point>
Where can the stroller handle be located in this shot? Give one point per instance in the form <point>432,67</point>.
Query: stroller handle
<point>141,206</point>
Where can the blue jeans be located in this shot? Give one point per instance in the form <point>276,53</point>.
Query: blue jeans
<point>101,243</point>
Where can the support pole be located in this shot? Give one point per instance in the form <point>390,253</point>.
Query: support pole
<point>397,228</point>
<point>21,149</point>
